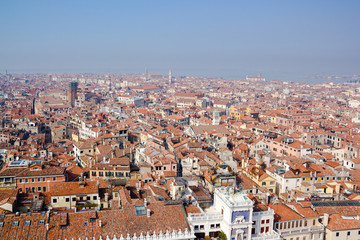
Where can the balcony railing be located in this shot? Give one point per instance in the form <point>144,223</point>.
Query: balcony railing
<point>7,185</point>
<point>303,230</point>
<point>264,213</point>
<point>271,235</point>
<point>204,216</point>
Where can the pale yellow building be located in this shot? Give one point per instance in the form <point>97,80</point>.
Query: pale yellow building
<point>238,113</point>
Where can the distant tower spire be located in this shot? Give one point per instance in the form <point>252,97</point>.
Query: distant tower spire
<point>146,73</point>
<point>73,92</point>
<point>109,78</point>
<point>216,117</point>
<point>33,106</point>
<point>170,76</point>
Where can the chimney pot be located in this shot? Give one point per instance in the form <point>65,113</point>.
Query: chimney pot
<point>326,219</point>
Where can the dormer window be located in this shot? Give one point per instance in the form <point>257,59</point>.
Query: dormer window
<point>15,223</point>
<point>140,210</point>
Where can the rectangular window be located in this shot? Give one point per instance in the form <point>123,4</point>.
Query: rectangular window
<point>15,223</point>
<point>54,178</point>
<point>74,199</point>
<point>88,198</point>
<point>26,180</point>
<point>94,197</point>
<point>39,179</point>
<point>39,189</point>
<point>54,200</point>
<point>44,179</point>
<point>33,180</point>
<point>44,189</point>
<point>67,199</point>
<point>262,230</point>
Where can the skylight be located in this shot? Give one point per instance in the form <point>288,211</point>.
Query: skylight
<point>15,223</point>
<point>140,210</point>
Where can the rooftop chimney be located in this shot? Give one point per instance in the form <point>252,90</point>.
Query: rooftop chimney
<point>106,197</point>
<point>326,219</point>
<point>99,223</point>
<point>148,212</point>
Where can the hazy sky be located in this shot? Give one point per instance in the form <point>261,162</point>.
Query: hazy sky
<point>281,39</point>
